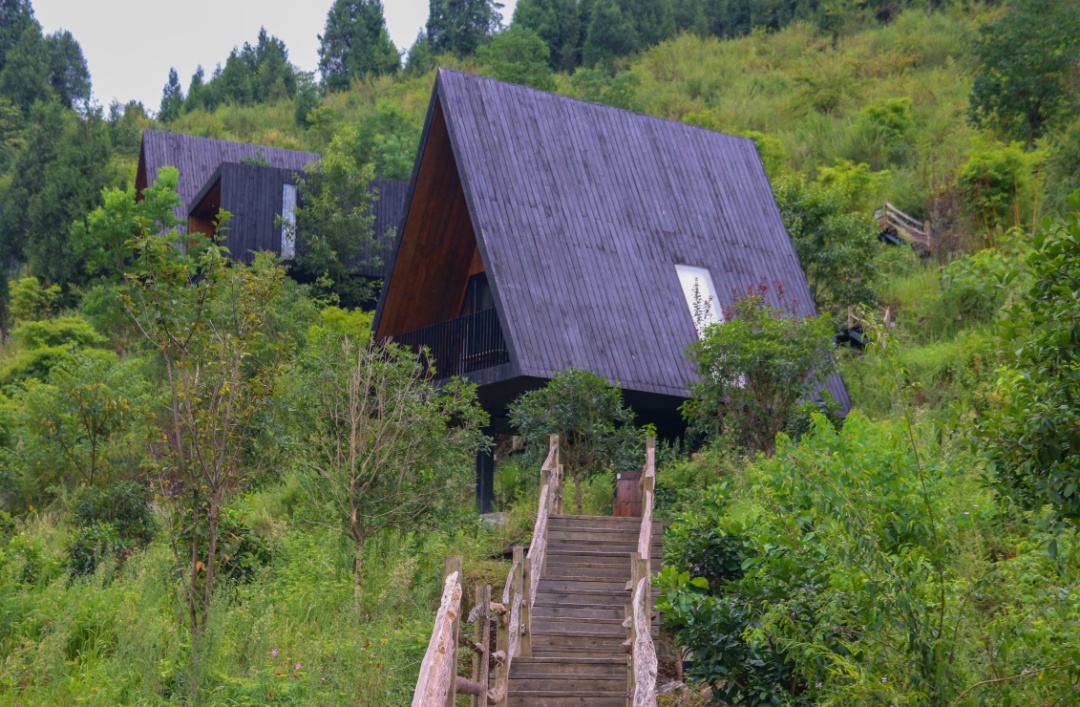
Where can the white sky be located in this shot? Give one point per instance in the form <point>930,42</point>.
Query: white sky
<point>130,44</point>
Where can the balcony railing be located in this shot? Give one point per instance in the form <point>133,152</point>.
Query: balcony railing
<point>459,346</point>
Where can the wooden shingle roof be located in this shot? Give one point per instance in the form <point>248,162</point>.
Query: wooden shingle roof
<point>198,158</point>
<point>581,212</point>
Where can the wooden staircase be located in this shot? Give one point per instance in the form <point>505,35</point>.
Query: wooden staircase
<point>578,653</point>
<point>575,625</point>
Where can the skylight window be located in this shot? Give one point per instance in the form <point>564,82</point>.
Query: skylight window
<point>700,293</point>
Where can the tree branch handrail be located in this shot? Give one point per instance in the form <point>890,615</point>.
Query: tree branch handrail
<point>642,668</point>
<point>513,638</point>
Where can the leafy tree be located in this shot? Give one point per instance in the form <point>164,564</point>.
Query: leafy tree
<point>588,414</point>
<point>87,414</point>
<point>836,245</point>
<point>1029,61</point>
<point>355,43</point>
<point>307,99</point>
<point>1031,431</point>
<point>460,26</point>
<point>208,322</point>
<point>996,180</point>
<point>609,35</point>
<point>334,225</point>
<point>597,86</point>
<point>518,55</point>
<point>383,447</point>
<point>30,301</point>
<point>172,99</point>
<point>754,369</point>
<point>104,240</point>
<point>258,74</point>
<point>558,23</point>
<point>388,139</point>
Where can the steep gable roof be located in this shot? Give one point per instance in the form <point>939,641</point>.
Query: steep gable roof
<point>581,212</point>
<point>198,158</point>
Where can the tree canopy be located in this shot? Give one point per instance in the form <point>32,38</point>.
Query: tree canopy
<point>355,43</point>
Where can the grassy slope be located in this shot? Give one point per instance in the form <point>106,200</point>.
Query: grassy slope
<point>111,642</point>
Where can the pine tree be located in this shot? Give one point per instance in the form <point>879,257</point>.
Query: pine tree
<point>354,43</point>
<point>420,58</point>
<point>519,56</point>
<point>68,73</point>
<point>558,24</point>
<point>172,99</point>
<point>461,26</point>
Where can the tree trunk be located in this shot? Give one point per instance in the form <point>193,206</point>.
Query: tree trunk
<point>577,489</point>
<point>358,571</point>
<point>211,541</point>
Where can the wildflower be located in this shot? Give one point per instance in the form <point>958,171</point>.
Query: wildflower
<point>967,513</point>
<point>882,681</point>
<point>298,666</point>
<point>384,640</point>
<point>819,684</point>
<point>274,652</point>
<point>22,684</point>
<point>367,644</point>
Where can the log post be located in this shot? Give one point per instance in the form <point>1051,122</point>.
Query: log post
<point>452,564</point>
<point>438,671</point>
<point>481,668</point>
<point>502,647</point>
<point>522,584</point>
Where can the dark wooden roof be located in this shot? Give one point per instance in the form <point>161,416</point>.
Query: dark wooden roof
<point>198,158</point>
<point>581,212</point>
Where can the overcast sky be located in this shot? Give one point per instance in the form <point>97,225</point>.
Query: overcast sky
<point>130,44</point>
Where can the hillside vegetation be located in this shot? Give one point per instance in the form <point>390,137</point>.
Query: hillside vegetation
<point>196,509</point>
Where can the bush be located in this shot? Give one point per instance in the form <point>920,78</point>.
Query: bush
<point>63,331</point>
<point>997,181</point>
<point>588,414</point>
<point>113,522</point>
<point>753,369</point>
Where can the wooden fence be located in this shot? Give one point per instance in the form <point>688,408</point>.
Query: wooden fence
<point>438,683</point>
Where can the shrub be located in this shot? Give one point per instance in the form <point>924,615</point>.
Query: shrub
<point>753,369</point>
<point>997,181</point>
<point>113,522</point>
<point>588,414</point>
<point>63,331</point>
<point>31,301</point>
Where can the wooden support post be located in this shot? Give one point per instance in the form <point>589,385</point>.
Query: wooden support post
<point>502,646</point>
<point>522,583</point>
<point>481,669</point>
<point>452,564</point>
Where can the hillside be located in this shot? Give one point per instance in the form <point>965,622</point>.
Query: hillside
<point>921,552</point>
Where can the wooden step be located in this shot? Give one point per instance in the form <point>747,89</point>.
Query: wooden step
<point>547,698</point>
<point>583,627</point>
<point>567,571</point>
<point>576,611</point>
<point>613,681</point>
<point>577,584</point>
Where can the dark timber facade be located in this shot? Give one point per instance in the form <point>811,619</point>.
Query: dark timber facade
<point>543,233</point>
<point>213,177</point>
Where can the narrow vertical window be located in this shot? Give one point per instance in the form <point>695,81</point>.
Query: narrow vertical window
<point>700,294</point>
<point>288,221</point>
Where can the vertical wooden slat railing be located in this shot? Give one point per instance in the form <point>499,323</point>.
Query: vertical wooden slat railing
<point>438,683</point>
<point>642,666</point>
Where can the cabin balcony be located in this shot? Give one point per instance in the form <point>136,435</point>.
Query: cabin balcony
<point>462,346</point>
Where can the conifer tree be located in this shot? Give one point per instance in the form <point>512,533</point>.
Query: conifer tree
<point>354,43</point>
<point>461,26</point>
<point>172,99</point>
<point>558,23</point>
<point>610,35</point>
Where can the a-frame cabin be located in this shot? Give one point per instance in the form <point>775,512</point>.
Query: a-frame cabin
<point>542,233</point>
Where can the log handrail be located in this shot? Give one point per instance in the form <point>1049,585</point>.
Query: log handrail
<point>641,682</point>
<point>438,672</point>
<point>438,682</point>
<point>918,231</point>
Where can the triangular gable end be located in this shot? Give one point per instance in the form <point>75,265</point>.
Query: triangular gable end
<point>438,252</point>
